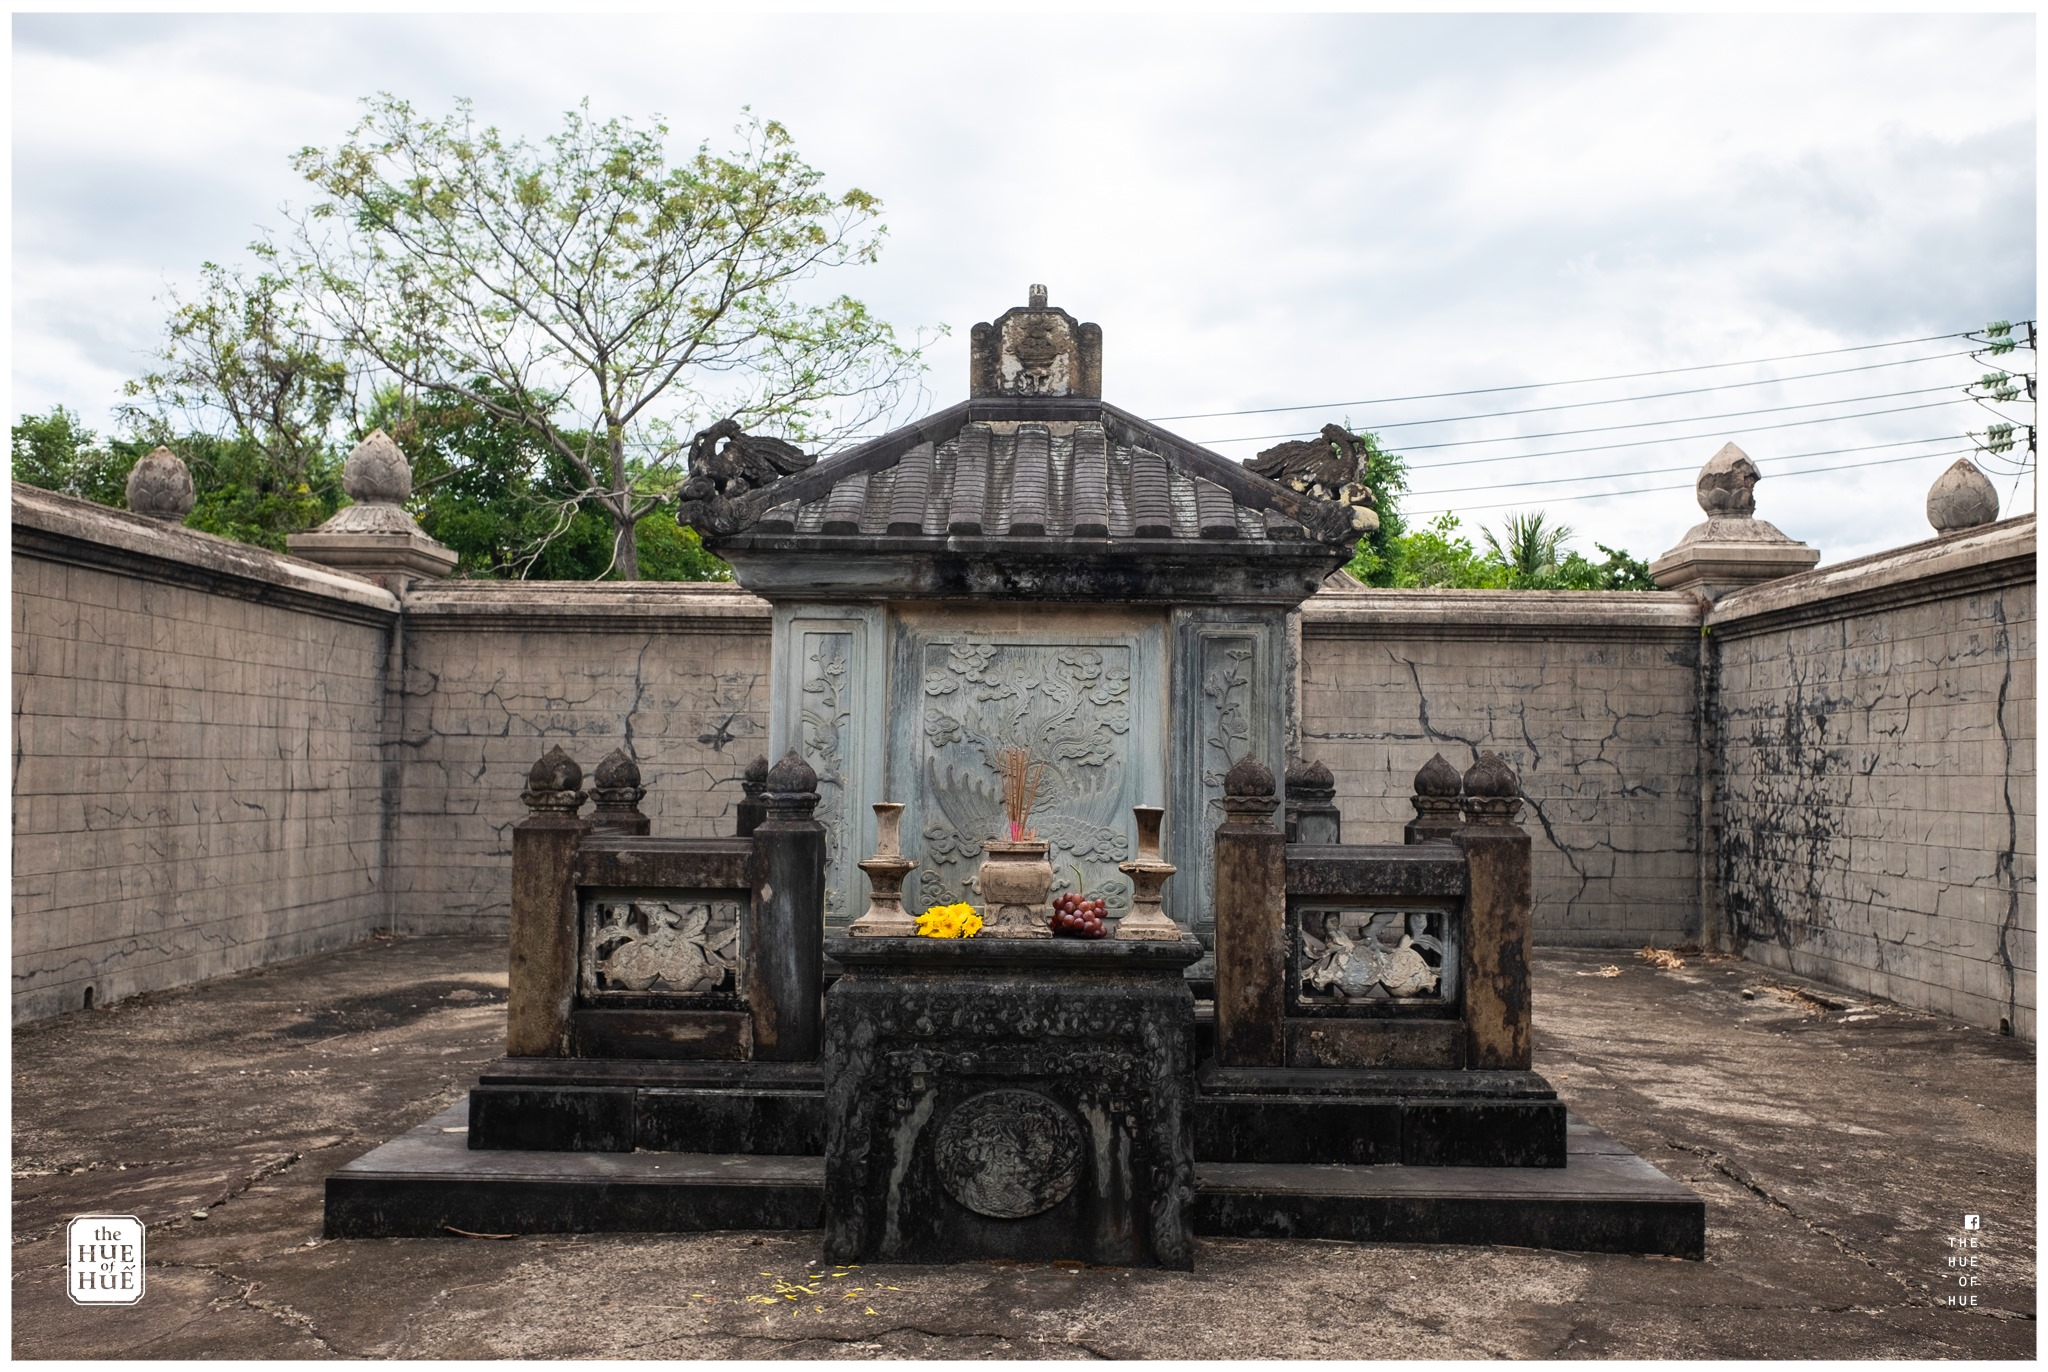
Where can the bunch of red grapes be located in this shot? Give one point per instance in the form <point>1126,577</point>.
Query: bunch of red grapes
<point>1078,916</point>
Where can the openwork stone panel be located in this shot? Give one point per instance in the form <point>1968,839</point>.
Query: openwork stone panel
<point>1370,960</point>
<point>667,946</point>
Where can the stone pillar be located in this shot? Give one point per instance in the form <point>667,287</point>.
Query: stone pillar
<point>1312,813</point>
<point>375,538</point>
<point>1733,548</point>
<point>617,791</point>
<point>784,973</point>
<point>747,814</point>
<point>160,487</point>
<point>543,934</point>
<point>1436,803</point>
<point>1498,910</point>
<point>1251,922</point>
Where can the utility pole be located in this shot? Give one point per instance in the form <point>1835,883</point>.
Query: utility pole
<point>2008,447</point>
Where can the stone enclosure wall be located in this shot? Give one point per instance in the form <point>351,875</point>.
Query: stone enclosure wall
<point>197,755</point>
<point>676,673</point>
<point>1875,774</point>
<point>224,757</point>
<point>1593,697</point>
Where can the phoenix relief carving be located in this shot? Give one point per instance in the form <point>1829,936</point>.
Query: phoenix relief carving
<point>1069,707</point>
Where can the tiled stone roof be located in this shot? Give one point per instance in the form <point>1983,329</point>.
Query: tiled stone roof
<point>1018,479</point>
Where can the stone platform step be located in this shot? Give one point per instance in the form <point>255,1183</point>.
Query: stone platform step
<point>428,1182</point>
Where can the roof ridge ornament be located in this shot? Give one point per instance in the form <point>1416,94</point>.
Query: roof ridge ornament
<point>1036,349</point>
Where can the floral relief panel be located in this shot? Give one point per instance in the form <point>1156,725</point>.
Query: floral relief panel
<point>824,717</point>
<point>659,946</point>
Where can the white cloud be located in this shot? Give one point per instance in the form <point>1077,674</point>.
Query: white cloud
<point>1259,211</point>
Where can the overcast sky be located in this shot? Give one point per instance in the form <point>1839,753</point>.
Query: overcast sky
<point>1259,211</point>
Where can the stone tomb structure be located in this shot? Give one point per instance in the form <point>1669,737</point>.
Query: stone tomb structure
<point>696,1041</point>
<point>1031,568</point>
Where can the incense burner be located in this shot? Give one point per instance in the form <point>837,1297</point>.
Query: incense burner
<point>1016,880</point>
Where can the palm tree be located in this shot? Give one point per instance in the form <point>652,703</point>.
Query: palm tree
<point>1531,547</point>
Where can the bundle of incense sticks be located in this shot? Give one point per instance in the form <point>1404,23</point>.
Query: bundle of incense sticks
<point>1020,788</point>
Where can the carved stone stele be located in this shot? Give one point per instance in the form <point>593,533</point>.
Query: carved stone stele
<point>160,487</point>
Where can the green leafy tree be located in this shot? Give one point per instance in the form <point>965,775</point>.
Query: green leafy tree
<point>1439,556</point>
<point>511,508</point>
<point>1530,547</point>
<point>613,302</point>
<point>1619,572</point>
<point>1379,552</point>
<point>251,397</point>
<point>57,453</point>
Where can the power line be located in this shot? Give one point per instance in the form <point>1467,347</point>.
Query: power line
<point>1665,471</point>
<point>1650,423</point>
<point>1582,381</point>
<point>1648,490</point>
<point>1681,438</point>
<point>1618,400</point>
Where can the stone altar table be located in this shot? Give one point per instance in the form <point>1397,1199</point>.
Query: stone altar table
<point>1012,1098</point>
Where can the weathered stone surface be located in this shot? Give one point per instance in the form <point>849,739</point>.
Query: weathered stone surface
<point>1437,813</point>
<point>197,755</point>
<point>616,794</point>
<point>1496,945</point>
<point>1329,467</point>
<point>374,537</point>
<point>1010,1099</point>
<point>376,471</point>
<point>782,975</point>
<point>1594,699</point>
<point>1251,922</point>
<point>542,937</point>
<point>1738,1099</point>
<point>1035,350</point>
<point>160,486</point>
<point>1960,498</point>
<point>721,475</point>
<point>1732,548</point>
<point>677,672</point>
<point>370,801</point>
<point>1876,727</point>
<point>1727,484</point>
<point>1009,1154</point>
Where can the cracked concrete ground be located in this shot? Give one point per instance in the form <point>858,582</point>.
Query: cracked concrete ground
<point>1838,1144</point>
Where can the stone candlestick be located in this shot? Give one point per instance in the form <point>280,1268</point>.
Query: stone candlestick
<point>885,916</point>
<point>1147,873</point>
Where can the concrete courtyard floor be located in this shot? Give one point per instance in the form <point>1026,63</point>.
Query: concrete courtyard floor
<point>1838,1144</point>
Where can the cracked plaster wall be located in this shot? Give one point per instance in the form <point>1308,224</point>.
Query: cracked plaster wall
<point>196,771</point>
<point>1593,699</point>
<point>496,672</point>
<point>218,764</point>
<point>1876,825</point>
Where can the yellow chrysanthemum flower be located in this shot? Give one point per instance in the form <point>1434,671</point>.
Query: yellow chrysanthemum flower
<point>949,921</point>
